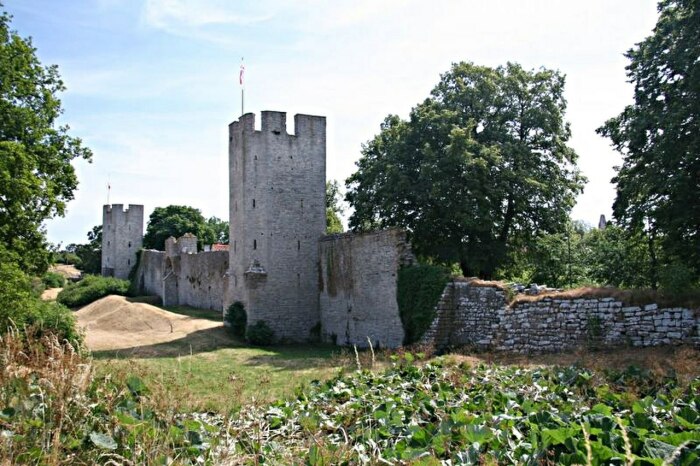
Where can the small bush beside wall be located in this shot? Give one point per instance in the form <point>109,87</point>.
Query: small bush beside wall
<point>260,334</point>
<point>237,319</point>
<point>419,290</point>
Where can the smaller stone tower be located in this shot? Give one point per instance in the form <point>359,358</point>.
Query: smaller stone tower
<point>122,237</point>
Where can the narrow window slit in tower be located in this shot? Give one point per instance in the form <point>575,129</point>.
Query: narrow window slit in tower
<point>255,244</point>
<point>253,203</point>
<point>298,245</point>
<point>302,203</point>
<point>129,243</point>
<point>128,262</point>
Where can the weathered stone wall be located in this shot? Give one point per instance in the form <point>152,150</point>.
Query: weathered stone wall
<point>358,281</point>
<point>479,316</point>
<point>122,237</point>
<point>196,280</point>
<point>202,279</point>
<point>149,275</point>
<point>277,215</point>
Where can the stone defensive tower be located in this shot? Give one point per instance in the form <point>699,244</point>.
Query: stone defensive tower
<point>277,185</point>
<point>122,237</point>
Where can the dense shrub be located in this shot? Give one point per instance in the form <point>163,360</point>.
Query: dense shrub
<point>419,290</point>
<point>53,280</point>
<point>48,317</point>
<point>237,319</point>
<point>65,257</point>
<point>20,308</point>
<point>91,288</point>
<point>677,278</point>
<point>260,334</point>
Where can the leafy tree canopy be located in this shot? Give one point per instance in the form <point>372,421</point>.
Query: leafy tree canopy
<point>36,175</point>
<point>480,165</point>
<point>176,220</point>
<point>334,208</point>
<point>658,184</point>
<point>90,254</point>
<point>219,228</point>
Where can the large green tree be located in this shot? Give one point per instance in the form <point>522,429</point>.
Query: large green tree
<point>658,184</point>
<point>36,175</point>
<point>479,166</point>
<point>176,220</point>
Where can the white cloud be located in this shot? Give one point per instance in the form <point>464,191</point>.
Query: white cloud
<point>174,14</point>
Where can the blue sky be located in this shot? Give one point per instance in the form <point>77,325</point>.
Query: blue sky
<point>153,84</point>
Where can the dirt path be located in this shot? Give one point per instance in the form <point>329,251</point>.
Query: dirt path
<point>67,270</point>
<point>50,294</point>
<point>114,323</point>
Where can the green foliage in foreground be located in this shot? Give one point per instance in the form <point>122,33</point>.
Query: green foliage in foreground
<point>440,413</point>
<point>419,289</point>
<point>91,288</point>
<point>21,308</point>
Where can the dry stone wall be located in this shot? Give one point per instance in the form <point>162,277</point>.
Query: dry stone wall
<point>479,316</point>
<point>357,281</point>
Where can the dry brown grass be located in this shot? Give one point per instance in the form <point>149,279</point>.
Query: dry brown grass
<point>683,360</point>
<point>637,297</point>
<point>690,299</point>
<point>479,283</point>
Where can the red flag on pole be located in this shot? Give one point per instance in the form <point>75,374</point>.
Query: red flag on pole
<point>240,75</point>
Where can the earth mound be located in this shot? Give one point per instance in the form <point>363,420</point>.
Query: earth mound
<point>114,323</point>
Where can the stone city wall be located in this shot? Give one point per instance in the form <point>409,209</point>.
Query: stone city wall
<point>358,281</point>
<point>149,275</point>
<point>196,280</point>
<point>478,315</point>
<point>202,280</point>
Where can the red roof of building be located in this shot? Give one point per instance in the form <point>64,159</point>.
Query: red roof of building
<point>219,247</point>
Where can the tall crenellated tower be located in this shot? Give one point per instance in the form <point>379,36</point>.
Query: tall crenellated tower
<point>277,185</point>
<point>122,237</point>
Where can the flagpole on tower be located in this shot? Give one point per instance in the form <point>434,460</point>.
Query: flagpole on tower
<point>240,80</point>
<point>109,190</point>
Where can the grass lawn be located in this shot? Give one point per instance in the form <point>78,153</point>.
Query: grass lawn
<point>214,371</point>
<point>211,370</point>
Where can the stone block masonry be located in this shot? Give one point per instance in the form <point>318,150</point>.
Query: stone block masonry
<point>182,278</point>
<point>277,215</point>
<point>479,316</point>
<point>122,237</point>
<point>358,284</point>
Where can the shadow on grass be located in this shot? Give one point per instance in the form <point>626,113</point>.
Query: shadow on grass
<point>201,341</point>
<point>283,357</point>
